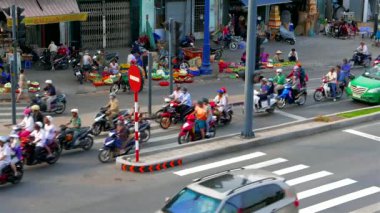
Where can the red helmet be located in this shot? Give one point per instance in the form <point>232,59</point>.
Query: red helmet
<point>223,89</point>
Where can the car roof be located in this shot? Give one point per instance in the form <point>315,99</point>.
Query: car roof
<point>222,184</point>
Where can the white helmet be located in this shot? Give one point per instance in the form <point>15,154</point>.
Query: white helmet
<point>75,110</point>
<point>48,82</point>
<point>279,70</point>
<point>50,119</point>
<point>38,123</point>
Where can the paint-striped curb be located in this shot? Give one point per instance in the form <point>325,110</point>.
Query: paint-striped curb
<point>151,168</point>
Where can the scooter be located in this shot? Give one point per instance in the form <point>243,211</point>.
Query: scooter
<point>65,139</point>
<point>101,121</point>
<point>361,59</point>
<point>158,115</point>
<point>324,92</point>
<point>191,132</point>
<point>111,145</point>
<point>226,116</point>
<point>7,175</point>
<point>286,35</point>
<point>144,129</point>
<point>172,115</point>
<point>268,105</point>
<point>58,106</point>
<point>290,96</point>
<point>32,158</point>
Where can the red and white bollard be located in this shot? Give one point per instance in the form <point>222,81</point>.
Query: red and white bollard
<point>137,149</point>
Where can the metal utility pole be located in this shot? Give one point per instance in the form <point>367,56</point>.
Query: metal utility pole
<point>206,66</point>
<point>150,65</point>
<point>170,56</point>
<point>14,64</point>
<point>376,21</point>
<point>104,24</point>
<point>249,69</point>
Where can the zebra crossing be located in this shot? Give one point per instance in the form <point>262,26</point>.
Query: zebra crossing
<point>6,112</point>
<point>317,190</point>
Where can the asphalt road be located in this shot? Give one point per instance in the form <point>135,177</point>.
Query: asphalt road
<point>344,165</point>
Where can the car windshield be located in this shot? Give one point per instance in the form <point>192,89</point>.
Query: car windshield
<point>189,201</point>
<point>373,72</point>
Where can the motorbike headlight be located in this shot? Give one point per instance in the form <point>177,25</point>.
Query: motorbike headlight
<point>376,90</point>
<point>186,125</point>
<point>171,105</point>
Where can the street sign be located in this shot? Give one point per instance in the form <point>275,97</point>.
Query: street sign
<point>134,76</point>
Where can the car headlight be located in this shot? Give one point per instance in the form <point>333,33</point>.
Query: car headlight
<point>376,90</point>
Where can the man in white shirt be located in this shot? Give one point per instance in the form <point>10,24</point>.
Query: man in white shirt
<point>363,49</point>
<point>5,153</point>
<point>39,138</point>
<point>53,49</point>
<point>131,58</point>
<point>332,79</point>
<point>176,93</point>
<point>86,63</point>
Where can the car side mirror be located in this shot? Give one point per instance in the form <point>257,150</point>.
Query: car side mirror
<point>167,199</point>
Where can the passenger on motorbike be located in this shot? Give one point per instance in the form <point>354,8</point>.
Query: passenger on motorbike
<point>75,123</point>
<point>221,102</point>
<point>37,115</point>
<point>16,153</point>
<point>39,138</point>
<point>279,81</point>
<point>176,93</point>
<point>185,101</point>
<point>5,153</point>
<point>112,109</point>
<point>209,113</point>
<point>122,135</point>
<point>200,112</point>
<point>27,124</point>
<point>264,91</point>
<point>50,94</point>
<point>332,79</point>
<point>50,132</point>
<point>346,66</point>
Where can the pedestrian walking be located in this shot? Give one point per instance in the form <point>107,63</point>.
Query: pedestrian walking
<point>53,49</point>
<point>23,87</point>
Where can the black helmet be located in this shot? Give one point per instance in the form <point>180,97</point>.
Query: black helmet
<point>205,100</point>
<point>200,102</point>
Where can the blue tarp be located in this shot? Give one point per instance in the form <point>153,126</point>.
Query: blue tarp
<point>266,2</point>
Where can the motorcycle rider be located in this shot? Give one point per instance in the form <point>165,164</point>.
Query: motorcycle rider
<point>332,80</point>
<point>112,109</point>
<point>5,153</point>
<point>37,115</point>
<point>279,81</point>
<point>49,132</point>
<point>75,123</point>
<point>16,154</point>
<point>264,91</point>
<point>27,123</point>
<point>185,101</point>
<point>209,113</point>
<point>50,94</point>
<point>39,139</point>
<point>346,67</point>
<point>176,93</point>
<point>221,102</point>
<point>362,49</point>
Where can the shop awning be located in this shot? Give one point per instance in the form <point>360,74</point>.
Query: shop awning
<point>266,2</point>
<point>39,12</point>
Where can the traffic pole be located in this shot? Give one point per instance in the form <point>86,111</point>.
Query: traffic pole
<point>137,148</point>
<point>249,69</point>
<point>170,56</point>
<point>14,64</point>
<point>150,64</point>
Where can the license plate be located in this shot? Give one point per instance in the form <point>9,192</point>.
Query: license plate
<point>356,95</point>
<point>77,73</point>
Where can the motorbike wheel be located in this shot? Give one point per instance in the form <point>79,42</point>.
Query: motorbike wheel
<point>277,38</point>
<point>115,88</point>
<point>57,154</point>
<point>228,118</point>
<point>145,136</point>
<point>212,132</point>
<point>18,179</point>
<point>218,55</point>
<point>339,93</point>
<point>165,122</point>
<point>60,108</point>
<point>318,96</point>
<point>80,79</point>
<point>96,129</point>
<point>281,103</point>
<point>88,143</point>
<point>292,42</point>
<point>157,116</point>
<point>233,46</point>
<point>301,100</point>
<point>184,138</point>
<point>270,110</point>
<point>105,156</point>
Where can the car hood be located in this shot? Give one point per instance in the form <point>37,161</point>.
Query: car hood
<point>366,82</point>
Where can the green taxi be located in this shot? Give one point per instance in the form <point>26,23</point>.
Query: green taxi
<point>366,87</point>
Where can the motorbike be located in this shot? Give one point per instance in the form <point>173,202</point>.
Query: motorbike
<point>121,83</point>
<point>230,41</point>
<point>77,70</point>
<point>187,41</point>
<point>7,175</point>
<point>58,106</point>
<point>286,35</point>
<point>226,116</point>
<point>172,115</point>
<point>218,52</point>
<point>158,115</point>
<point>361,59</point>
<point>191,132</point>
<point>60,62</point>
<point>65,139</point>
<point>144,129</point>
<point>32,158</point>
<point>290,96</point>
<point>101,121</point>
<point>266,105</point>
<point>324,91</point>
<point>108,57</point>
<point>111,146</point>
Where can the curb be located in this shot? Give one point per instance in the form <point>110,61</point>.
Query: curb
<point>254,142</point>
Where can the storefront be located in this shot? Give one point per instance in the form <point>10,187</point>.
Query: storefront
<point>46,20</point>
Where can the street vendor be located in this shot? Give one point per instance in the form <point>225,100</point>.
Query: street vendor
<point>277,58</point>
<point>114,67</point>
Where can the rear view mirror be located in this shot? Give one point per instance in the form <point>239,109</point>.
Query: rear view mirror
<point>167,199</point>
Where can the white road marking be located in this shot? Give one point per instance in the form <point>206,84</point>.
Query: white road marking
<point>325,188</point>
<point>340,200</point>
<point>362,134</point>
<point>266,163</point>
<point>307,178</point>
<point>290,169</point>
<point>289,115</point>
<point>219,163</point>
<point>368,209</point>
